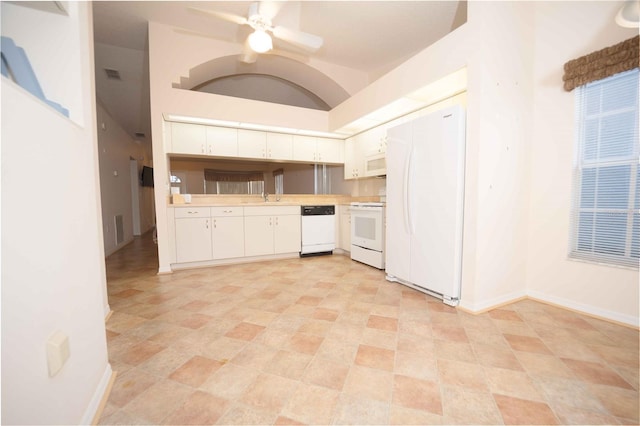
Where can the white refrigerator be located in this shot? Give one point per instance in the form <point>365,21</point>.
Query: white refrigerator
<point>425,198</point>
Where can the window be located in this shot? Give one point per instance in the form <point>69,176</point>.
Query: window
<point>278,178</point>
<point>605,216</point>
<point>231,182</point>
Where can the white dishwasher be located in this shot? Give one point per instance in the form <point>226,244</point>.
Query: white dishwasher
<point>318,230</point>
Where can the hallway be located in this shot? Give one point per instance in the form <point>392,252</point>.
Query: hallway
<point>326,340</point>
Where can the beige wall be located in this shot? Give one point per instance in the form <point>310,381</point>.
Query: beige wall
<point>115,149</point>
<point>53,275</point>
<point>498,124</point>
<point>569,32</point>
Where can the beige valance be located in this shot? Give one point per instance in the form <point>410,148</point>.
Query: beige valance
<point>603,63</point>
<point>231,176</point>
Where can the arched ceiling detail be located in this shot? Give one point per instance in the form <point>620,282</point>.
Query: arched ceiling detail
<point>281,67</point>
<point>266,88</point>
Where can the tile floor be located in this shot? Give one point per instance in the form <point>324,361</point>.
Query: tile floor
<point>328,341</point>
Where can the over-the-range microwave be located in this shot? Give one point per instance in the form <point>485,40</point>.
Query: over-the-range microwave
<point>375,164</point>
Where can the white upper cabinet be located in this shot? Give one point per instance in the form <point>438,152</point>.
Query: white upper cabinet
<point>375,140</point>
<point>330,150</point>
<point>354,157</point>
<point>271,146</point>
<point>317,150</point>
<point>279,146</point>
<point>222,141</point>
<point>304,148</point>
<point>252,144</point>
<point>197,139</point>
<point>188,139</point>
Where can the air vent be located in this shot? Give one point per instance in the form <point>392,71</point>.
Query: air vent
<point>119,223</point>
<point>112,74</point>
<point>139,135</point>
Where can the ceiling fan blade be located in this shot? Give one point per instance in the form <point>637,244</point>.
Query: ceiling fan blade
<point>270,9</point>
<point>230,17</point>
<point>301,39</point>
<point>248,56</point>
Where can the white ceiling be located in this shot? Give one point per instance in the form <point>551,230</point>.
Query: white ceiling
<point>370,36</point>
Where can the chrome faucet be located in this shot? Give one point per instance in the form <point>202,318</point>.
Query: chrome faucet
<point>265,195</point>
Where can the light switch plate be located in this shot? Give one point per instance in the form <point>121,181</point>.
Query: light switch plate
<point>57,352</point>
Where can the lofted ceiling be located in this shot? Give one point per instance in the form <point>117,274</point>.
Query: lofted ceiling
<point>372,37</point>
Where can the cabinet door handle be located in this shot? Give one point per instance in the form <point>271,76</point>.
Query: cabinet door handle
<point>202,149</point>
<point>214,223</point>
<point>207,223</point>
<point>227,211</point>
<point>276,221</point>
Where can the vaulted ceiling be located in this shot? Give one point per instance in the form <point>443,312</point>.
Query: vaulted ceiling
<point>372,37</point>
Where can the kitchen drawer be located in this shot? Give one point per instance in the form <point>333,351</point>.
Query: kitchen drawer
<point>227,211</point>
<point>182,212</point>
<point>271,210</point>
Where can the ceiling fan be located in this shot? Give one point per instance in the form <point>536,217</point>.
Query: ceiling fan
<point>259,41</point>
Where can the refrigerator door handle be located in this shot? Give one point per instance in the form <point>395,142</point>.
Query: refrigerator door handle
<point>409,186</point>
<point>405,190</point>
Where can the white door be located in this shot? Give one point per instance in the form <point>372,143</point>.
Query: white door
<point>437,187</point>
<point>135,196</point>
<point>398,237</point>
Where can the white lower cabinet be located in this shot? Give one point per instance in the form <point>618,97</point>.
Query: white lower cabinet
<point>227,232</point>
<point>345,228</point>
<point>193,239</point>
<point>287,234</point>
<point>217,233</point>
<point>228,237</point>
<point>258,235</point>
<point>271,230</point>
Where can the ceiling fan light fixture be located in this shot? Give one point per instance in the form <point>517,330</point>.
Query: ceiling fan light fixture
<point>260,41</point>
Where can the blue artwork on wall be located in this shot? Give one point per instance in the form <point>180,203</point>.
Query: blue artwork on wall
<point>16,67</point>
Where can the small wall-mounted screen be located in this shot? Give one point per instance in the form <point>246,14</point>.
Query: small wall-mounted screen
<point>147,176</point>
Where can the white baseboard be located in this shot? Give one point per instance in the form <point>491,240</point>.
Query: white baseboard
<point>586,309</point>
<point>486,305</point>
<point>98,394</point>
<point>165,270</point>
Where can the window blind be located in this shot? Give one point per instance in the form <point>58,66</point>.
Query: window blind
<point>605,212</point>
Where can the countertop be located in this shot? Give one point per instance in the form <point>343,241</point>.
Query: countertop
<point>205,200</point>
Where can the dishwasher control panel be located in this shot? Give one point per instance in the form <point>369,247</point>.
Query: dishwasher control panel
<point>317,210</point>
